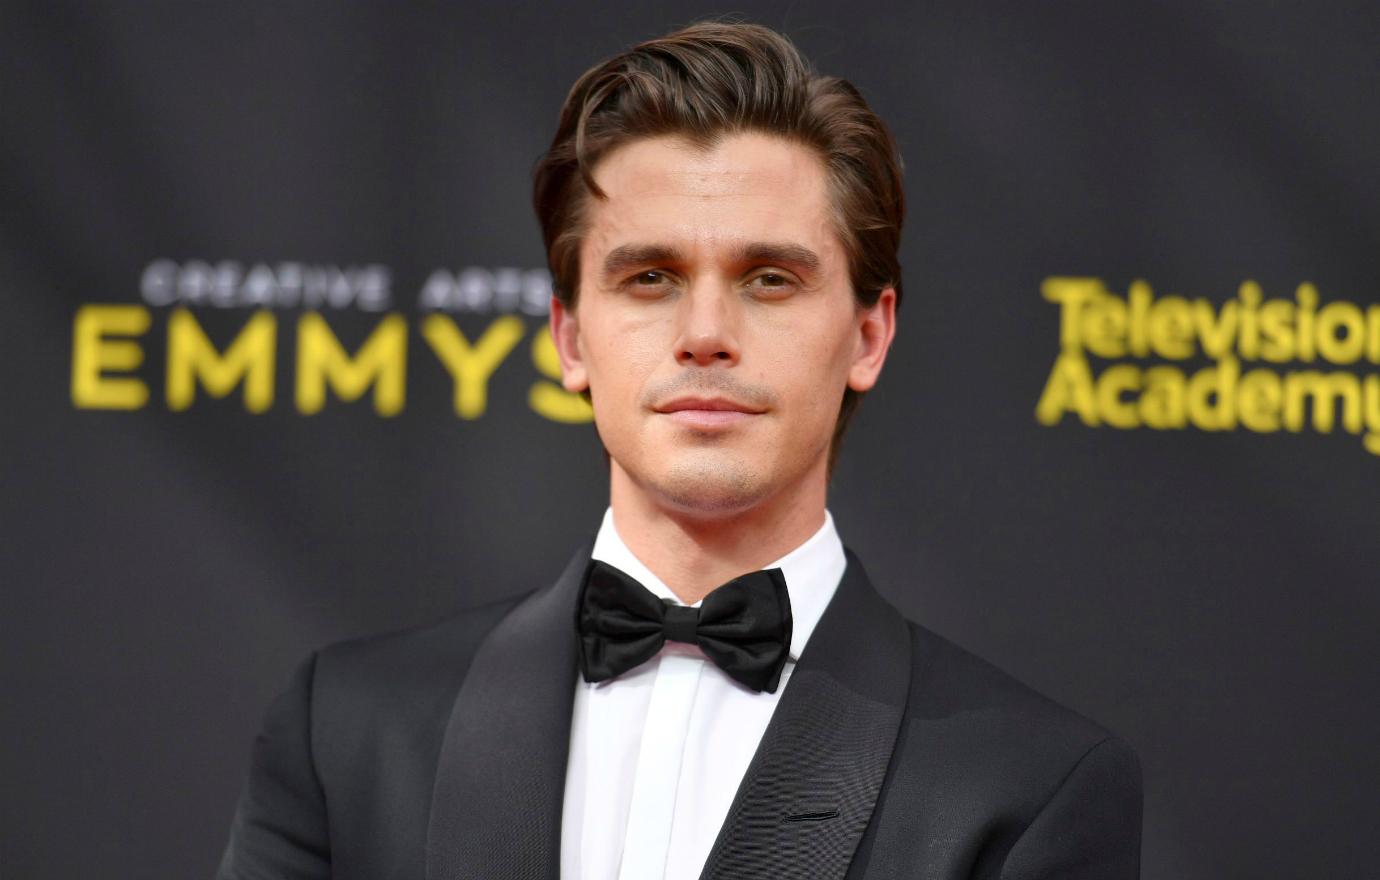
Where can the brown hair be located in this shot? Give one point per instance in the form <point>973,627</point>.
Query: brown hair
<point>701,83</point>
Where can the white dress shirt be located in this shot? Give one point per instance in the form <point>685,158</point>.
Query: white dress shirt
<point>657,753</point>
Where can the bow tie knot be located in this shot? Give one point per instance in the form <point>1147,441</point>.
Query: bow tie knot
<point>680,622</point>
<point>743,626</point>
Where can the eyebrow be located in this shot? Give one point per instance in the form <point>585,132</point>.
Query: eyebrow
<point>629,256</point>
<point>783,253</point>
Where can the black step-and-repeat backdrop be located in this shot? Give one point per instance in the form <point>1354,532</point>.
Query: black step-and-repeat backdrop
<point>277,374</point>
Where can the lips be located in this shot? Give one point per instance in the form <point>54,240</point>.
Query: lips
<point>708,413</point>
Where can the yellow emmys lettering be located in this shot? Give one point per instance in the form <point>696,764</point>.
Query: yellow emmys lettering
<point>381,362</point>
<point>470,366</point>
<point>94,353</point>
<point>106,342</point>
<point>191,356</point>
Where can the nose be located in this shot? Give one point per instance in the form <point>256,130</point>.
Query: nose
<point>708,327</point>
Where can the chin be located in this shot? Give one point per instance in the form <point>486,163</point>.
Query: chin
<point>711,488</point>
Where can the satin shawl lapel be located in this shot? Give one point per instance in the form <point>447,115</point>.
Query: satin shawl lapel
<point>500,779</point>
<point>810,790</point>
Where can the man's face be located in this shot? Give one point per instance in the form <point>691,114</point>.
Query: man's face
<point>716,327</point>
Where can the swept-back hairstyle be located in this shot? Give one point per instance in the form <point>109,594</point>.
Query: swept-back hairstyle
<point>714,79</point>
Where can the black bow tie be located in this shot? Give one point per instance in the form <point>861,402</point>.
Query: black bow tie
<point>743,626</point>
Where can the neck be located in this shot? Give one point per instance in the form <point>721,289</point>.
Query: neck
<point>694,552</point>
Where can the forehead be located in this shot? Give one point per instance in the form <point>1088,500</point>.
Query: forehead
<point>744,188</point>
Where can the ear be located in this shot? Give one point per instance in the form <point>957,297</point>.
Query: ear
<point>565,332</point>
<point>875,333</point>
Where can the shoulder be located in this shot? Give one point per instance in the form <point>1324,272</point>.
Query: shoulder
<point>959,704</point>
<point>360,727</point>
<point>977,718</point>
<point>948,680</point>
<point>990,776</point>
<point>397,673</point>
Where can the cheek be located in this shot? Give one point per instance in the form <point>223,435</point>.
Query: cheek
<point>816,367</point>
<point>619,356</point>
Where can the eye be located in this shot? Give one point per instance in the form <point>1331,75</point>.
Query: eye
<point>649,278</point>
<point>773,284</point>
<point>649,284</point>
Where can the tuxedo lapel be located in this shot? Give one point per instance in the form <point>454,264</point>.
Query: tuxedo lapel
<point>810,790</point>
<point>500,779</point>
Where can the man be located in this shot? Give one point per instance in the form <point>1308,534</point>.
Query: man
<point>713,688</point>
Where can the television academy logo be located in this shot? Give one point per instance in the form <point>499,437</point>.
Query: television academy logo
<point>1141,344</point>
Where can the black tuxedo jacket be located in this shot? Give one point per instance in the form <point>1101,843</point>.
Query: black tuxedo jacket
<point>441,753</point>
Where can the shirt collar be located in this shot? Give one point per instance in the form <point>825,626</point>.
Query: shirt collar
<point>812,573</point>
